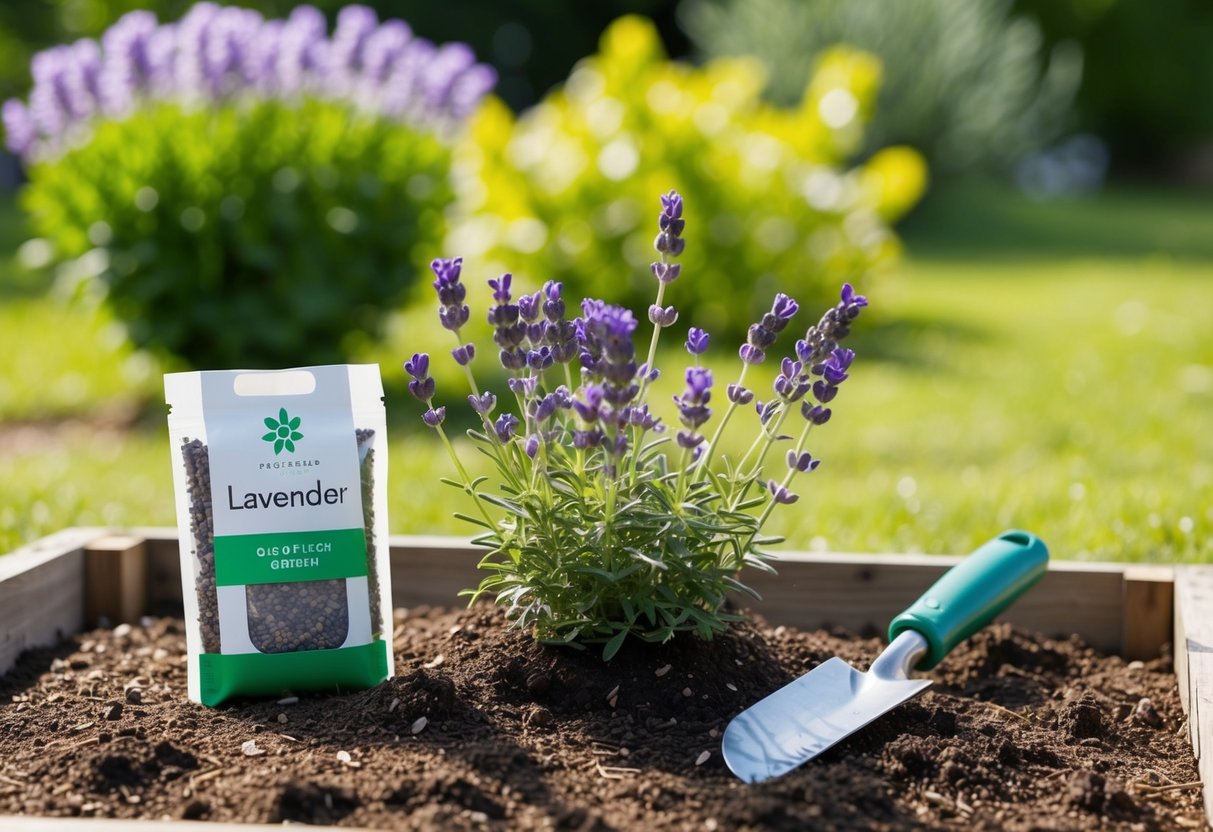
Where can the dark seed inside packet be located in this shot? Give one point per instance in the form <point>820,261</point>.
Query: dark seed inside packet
<point>286,617</point>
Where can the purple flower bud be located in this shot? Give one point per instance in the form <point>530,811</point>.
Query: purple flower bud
<point>671,205</point>
<point>587,438</point>
<point>765,410</point>
<point>687,439</point>
<point>513,359</point>
<point>815,413</point>
<point>739,395</point>
<point>446,270</point>
<point>539,359</point>
<point>418,366</point>
<point>666,272</point>
<point>529,306</point>
<point>542,409</point>
<point>824,392</point>
<point>501,288</point>
<point>781,494</point>
<point>697,341</point>
<point>532,446</point>
<point>802,462</point>
<point>834,369</point>
<point>667,243</point>
<point>453,317</point>
<point>646,373</point>
<point>464,354</point>
<point>751,354</point>
<point>784,307</point>
<point>641,417</point>
<point>484,403</point>
<point>434,416</point>
<point>422,389</point>
<point>505,425</point>
<point>523,386</point>
<point>19,129</point>
<point>663,317</point>
<point>761,336</point>
<point>553,307</point>
<point>850,299</point>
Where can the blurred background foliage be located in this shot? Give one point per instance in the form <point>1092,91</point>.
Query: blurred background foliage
<point>966,82</point>
<point>566,190</point>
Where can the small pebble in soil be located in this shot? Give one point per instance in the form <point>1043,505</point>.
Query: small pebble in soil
<point>114,711</point>
<point>249,748</point>
<point>703,758</point>
<point>395,704</point>
<point>419,725</point>
<point>663,670</point>
<point>282,718</point>
<point>1146,714</point>
<point>343,756</point>
<point>434,662</point>
<point>134,696</point>
<point>289,700</point>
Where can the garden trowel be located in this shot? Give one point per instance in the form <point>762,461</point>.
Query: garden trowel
<point>829,703</point>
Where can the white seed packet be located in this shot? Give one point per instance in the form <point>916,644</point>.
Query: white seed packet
<point>280,478</point>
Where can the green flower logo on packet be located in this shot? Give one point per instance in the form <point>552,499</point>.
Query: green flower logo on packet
<point>284,431</point>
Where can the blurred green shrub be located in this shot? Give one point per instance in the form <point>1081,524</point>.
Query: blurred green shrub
<point>563,192</point>
<point>967,83</point>
<point>262,236</point>
<point>248,192</point>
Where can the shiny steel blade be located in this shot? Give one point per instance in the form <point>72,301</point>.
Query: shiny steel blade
<point>829,703</point>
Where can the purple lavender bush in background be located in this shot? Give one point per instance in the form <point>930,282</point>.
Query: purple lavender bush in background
<point>248,191</point>
<point>600,525</point>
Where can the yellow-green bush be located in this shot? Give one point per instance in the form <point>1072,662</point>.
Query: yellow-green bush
<point>564,191</point>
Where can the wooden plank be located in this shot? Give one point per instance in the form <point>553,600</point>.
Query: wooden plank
<point>115,579</point>
<point>1194,665</point>
<point>12,823</point>
<point>1147,622</point>
<point>42,592</point>
<point>857,591</point>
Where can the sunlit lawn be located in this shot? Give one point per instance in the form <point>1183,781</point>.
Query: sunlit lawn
<point>1012,376</point>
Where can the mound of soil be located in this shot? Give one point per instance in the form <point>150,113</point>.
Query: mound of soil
<point>483,728</point>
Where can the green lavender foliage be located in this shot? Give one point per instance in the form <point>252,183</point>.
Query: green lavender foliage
<point>257,234</point>
<point>966,82</point>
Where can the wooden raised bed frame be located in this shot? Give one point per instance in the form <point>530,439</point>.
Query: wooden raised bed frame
<point>56,586</point>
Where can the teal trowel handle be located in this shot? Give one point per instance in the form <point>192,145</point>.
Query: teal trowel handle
<point>973,592</point>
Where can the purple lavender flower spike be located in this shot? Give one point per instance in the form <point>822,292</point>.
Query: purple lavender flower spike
<point>671,224</point>
<point>501,287</point>
<point>463,354</point>
<point>434,417</point>
<point>383,46</point>
<point>592,438</point>
<point>666,317</point>
<point>484,403</point>
<point>590,409</point>
<point>529,307</point>
<point>505,426</point>
<point>543,409</point>
<point>739,395</point>
<point>697,341</point>
<point>802,462</point>
<point>781,494</point>
<point>539,359</point>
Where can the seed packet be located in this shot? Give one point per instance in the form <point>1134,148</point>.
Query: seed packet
<point>282,519</point>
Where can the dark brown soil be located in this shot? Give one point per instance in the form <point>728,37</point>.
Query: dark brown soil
<point>483,728</point>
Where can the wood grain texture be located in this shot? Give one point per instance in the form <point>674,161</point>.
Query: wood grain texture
<point>42,592</point>
<point>1194,664</point>
<point>115,579</point>
<point>1149,599</point>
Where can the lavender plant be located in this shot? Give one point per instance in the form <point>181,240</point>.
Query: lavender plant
<point>248,191</point>
<point>602,526</point>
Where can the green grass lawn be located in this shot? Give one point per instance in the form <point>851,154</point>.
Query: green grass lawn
<point>1062,384</point>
